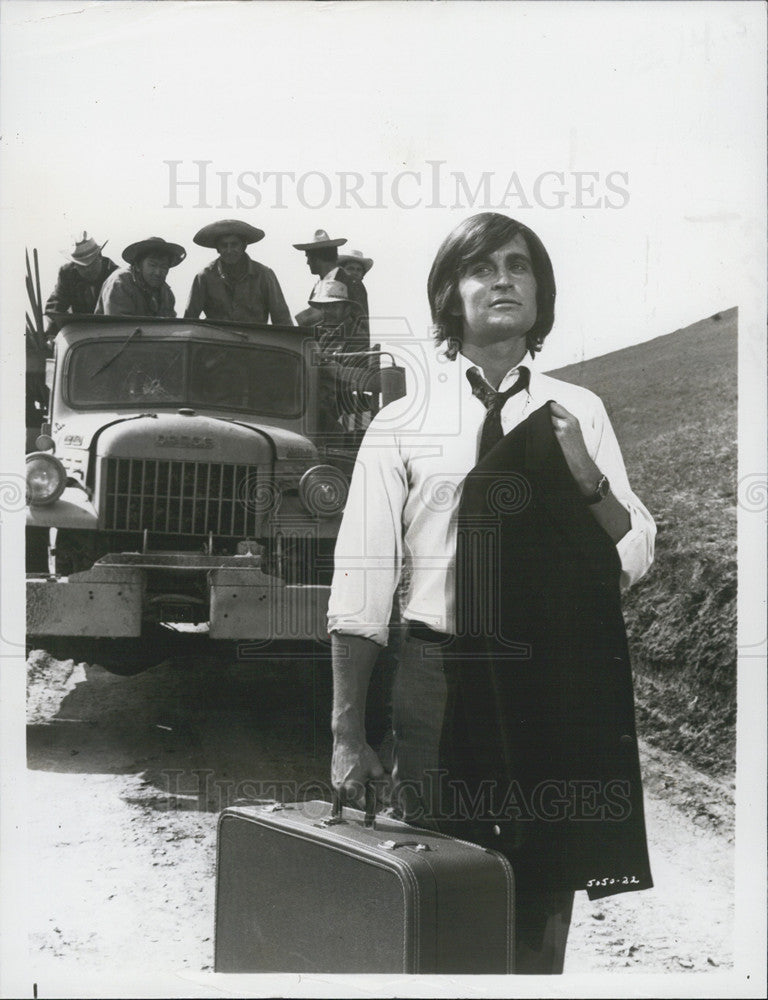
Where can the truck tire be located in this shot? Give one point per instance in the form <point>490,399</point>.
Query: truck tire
<point>75,550</point>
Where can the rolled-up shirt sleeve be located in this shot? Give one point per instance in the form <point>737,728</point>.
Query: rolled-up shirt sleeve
<point>636,548</point>
<point>369,547</point>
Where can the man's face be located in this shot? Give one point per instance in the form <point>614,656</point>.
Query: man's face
<point>313,262</point>
<point>153,270</point>
<point>90,272</point>
<point>334,313</point>
<point>497,292</point>
<point>231,249</point>
<point>355,269</point>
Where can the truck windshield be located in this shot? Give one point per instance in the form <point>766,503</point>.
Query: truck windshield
<point>249,377</point>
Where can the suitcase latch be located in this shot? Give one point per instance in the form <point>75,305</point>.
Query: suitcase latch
<point>414,845</point>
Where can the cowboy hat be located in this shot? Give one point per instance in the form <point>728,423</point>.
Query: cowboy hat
<point>356,257</point>
<point>154,245</point>
<point>329,290</point>
<point>84,251</point>
<point>320,241</point>
<point>210,235</point>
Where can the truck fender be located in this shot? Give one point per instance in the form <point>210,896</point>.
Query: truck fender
<point>73,509</point>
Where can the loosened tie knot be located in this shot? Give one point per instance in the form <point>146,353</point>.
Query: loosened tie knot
<point>494,402</point>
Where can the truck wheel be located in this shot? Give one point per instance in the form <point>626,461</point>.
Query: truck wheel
<point>75,550</point>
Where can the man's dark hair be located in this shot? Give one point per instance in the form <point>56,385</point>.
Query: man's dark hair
<point>477,237</point>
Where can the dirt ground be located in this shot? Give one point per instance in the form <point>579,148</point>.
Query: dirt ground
<point>127,776</point>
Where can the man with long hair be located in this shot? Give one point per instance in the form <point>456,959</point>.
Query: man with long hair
<point>514,686</point>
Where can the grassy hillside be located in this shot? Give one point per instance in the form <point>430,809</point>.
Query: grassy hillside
<point>672,402</point>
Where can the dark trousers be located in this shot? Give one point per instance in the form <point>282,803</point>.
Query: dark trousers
<point>418,703</point>
<point>542,921</point>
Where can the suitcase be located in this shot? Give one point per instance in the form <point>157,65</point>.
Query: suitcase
<point>301,887</point>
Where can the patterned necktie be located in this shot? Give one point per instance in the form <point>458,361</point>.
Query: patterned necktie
<point>493,401</point>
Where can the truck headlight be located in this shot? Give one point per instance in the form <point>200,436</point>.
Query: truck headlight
<point>323,490</point>
<point>46,478</point>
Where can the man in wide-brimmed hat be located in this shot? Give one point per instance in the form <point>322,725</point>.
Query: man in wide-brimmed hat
<point>355,263</point>
<point>234,286</point>
<point>80,280</point>
<point>335,316</point>
<point>336,321</point>
<point>141,289</point>
<point>323,260</point>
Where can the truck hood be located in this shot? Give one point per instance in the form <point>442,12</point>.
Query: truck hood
<point>183,436</point>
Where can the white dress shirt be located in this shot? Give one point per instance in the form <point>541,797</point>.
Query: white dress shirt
<point>401,515</point>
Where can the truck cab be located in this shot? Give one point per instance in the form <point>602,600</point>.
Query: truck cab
<point>191,478</point>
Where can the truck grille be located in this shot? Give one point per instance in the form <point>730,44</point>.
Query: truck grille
<point>191,498</point>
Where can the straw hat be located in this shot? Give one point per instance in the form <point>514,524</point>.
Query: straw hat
<point>210,235</point>
<point>330,290</point>
<point>320,241</point>
<point>84,251</point>
<point>155,245</point>
<point>356,257</point>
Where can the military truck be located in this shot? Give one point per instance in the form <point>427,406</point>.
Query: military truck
<point>189,482</point>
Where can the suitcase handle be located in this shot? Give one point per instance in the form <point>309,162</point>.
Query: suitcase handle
<point>414,845</point>
<point>337,809</point>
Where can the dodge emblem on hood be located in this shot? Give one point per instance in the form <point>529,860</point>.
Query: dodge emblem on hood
<point>183,441</point>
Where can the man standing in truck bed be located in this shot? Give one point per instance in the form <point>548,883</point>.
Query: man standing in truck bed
<point>141,289</point>
<point>322,255</point>
<point>514,675</point>
<point>233,286</point>
<point>79,281</point>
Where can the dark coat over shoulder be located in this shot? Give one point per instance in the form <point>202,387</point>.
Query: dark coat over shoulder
<point>541,705</point>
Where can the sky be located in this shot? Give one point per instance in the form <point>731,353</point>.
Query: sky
<point>624,134</point>
<point>629,136</point>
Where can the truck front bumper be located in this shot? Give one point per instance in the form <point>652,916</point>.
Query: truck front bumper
<point>110,599</point>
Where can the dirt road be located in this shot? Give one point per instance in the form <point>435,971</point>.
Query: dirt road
<point>127,776</point>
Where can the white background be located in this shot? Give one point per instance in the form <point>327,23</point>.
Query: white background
<point>94,97</point>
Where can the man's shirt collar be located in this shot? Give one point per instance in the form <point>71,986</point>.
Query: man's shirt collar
<point>243,270</point>
<point>509,379</point>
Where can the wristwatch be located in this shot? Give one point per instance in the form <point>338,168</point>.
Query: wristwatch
<point>602,490</point>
